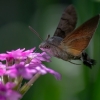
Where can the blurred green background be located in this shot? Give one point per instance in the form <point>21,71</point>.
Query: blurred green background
<point>78,82</point>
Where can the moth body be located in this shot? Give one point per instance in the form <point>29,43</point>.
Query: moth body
<point>69,43</point>
<point>51,46</point>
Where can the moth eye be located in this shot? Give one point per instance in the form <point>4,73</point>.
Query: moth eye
<point>47,46</point>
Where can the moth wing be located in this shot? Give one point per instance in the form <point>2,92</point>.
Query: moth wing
<point>67,22</point>
<point>79,39</point>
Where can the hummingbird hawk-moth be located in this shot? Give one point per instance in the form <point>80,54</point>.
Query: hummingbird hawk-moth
<point>69,43</point>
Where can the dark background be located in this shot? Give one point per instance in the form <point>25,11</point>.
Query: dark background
<point>78,82</point>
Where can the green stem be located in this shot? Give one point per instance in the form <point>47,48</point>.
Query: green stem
<point>27,86</point>
<point>5,79</point>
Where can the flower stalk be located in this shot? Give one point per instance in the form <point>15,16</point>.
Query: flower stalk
<point>27,86</point>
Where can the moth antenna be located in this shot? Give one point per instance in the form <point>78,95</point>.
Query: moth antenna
<point>73,63</point>
<point>35,32</point>
<point>48,37</point>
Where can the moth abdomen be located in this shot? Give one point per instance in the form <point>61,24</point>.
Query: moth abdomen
<point>87,61</point>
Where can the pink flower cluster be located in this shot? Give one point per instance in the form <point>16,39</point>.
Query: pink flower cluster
<point>7,92</point>
<point>21,63</point>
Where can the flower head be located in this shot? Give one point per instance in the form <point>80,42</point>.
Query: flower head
<point>21,64</point>
<point>29,63</point>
